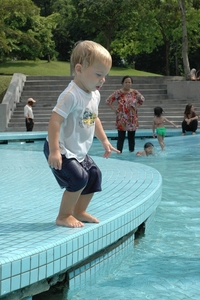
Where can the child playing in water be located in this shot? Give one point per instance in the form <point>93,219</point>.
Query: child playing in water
<point>158,124</point>
<point>72,126</point>
<point>148,150</point>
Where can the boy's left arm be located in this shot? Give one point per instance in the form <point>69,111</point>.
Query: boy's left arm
<point>100,134</point>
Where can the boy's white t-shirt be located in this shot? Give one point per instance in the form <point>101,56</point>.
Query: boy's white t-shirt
<point>80,110</point>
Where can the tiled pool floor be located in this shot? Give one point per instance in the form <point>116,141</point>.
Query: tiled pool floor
<point>32,247</point>
<point>166,263</point>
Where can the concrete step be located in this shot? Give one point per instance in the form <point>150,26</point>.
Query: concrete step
<point>45,90</point>
<point>49,97</point>
<point>112,87</point>
<point>110,78</point>
<point>56,93</point>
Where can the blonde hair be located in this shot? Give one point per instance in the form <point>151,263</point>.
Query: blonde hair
<point>87,52</point>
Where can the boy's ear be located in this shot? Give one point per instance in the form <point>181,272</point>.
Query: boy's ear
<point>78,68</point>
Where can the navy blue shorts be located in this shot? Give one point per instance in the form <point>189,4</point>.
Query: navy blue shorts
<point>75,175</point>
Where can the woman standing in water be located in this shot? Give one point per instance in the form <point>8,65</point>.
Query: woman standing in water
<point>128,101</point>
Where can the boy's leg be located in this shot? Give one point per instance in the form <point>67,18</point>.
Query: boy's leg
<point>161,141</point>
<point>65,216</point>
<point>80,209</point>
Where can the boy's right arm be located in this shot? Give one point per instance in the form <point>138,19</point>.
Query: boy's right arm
<point>55,159</point>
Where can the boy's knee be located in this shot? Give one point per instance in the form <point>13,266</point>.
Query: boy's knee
<point>95,173</point>
<point>95,176</point>
<point>79,179</point>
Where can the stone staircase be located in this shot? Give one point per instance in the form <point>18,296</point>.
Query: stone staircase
<point>45,90</point>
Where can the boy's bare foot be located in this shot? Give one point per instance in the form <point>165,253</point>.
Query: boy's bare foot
<point>69,221</point>
<point>194,133</point>
<point>183,134</point>
<point>85,217</point>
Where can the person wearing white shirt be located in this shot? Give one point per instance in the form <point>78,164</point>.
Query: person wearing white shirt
<point>28,114</point>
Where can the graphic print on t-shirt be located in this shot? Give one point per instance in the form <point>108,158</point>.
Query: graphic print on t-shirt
<point>88,118</point>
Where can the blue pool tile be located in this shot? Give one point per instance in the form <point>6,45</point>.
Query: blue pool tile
<point>25,279</point>
<point>63,250</point>
<point>85,251</point>
<point>80,241</point>
<point>90,249</point>
<point>49,255</point>
<point>56,252</point>
<point>63,263</point>
<point>5,270</point>
<point>91,236</point>
<point>50,269</point>
<point>42,272</point>
<point>15,282</point>
<point>16,267</point>
<point>26,263</point>
<point>42,258</point>
<point>69,246</point>
<point>34,276</point>
<point>95,246</point>
<point>80,254</point>
<point>69,259</point>
<point>75,257</point>
<point>34,261</point>
<point>5,286</point>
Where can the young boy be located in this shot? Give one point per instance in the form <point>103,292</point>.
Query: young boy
<point>72,126</point>
<point>148,150</point>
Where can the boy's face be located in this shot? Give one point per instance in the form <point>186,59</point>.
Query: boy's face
<point>149,150</point>
<point>91,78</point>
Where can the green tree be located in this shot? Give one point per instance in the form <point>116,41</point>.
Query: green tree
<point>25,34</point>
<point>184,37</point>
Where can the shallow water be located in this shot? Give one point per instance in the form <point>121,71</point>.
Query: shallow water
<point>165,264</point>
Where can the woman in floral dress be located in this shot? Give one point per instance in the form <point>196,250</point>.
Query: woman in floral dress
<point>128,101</point>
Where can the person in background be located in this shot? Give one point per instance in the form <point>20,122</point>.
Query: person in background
<point>190,122</point>
<point>158,124</point>
<point>28,114</point>
<point>128,100</point>
<point>193,73</point>
<point>72,126</point>
<point>148,150</point>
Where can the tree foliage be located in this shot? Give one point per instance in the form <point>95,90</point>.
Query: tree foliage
<point>24,33</point>
<point>130,30</point>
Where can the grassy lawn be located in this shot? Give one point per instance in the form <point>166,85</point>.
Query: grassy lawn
<point>53,68</point>
<point>56,68</point>
<point>4,83</point>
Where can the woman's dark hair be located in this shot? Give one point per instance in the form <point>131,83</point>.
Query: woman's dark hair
<point>158,111</point>
<point>147,145</point>
<point>187,109</point>
<point>125,77</point>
